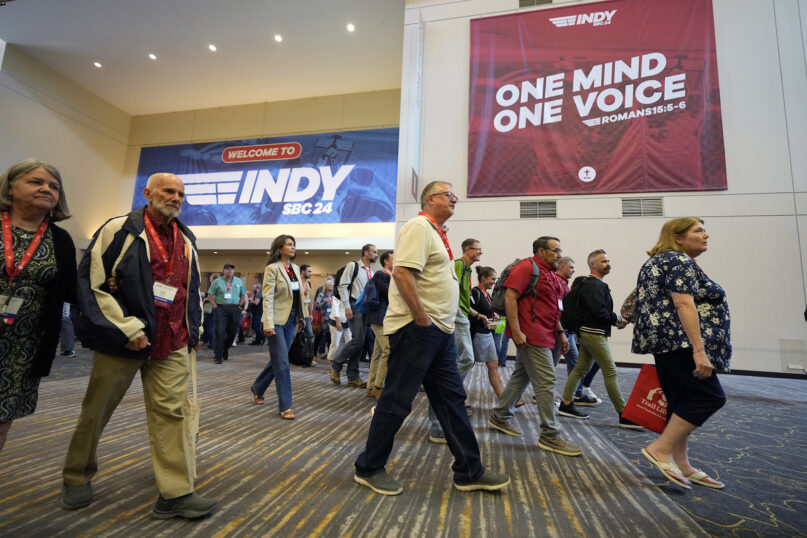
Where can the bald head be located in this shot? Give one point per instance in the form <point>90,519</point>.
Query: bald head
<point>165,193</point>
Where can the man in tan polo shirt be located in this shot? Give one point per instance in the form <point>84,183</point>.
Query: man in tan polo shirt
<point>420,324</point>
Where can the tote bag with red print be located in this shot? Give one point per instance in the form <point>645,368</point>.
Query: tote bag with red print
<point>647,405</point>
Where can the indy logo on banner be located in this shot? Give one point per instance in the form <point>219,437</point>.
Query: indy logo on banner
<point>597,18</point>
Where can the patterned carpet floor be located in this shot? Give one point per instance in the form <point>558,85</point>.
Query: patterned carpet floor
<point>279,478</point>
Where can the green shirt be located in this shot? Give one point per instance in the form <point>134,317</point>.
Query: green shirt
<point>463,272</point>
<point>225,296</point>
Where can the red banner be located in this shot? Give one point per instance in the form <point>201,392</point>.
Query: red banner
<point>608,97</point>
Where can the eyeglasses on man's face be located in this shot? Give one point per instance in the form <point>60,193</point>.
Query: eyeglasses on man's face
<point>557,251</point>
<point>450,195</point>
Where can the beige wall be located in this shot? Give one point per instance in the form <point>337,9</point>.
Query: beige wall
<point>756,250</point>
<point>46,116</point>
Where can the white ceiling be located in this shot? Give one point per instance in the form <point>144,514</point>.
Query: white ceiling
<point>318,56</point>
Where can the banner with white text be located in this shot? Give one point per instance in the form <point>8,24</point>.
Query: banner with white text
<point>320,178</point>
<point>609,97</point>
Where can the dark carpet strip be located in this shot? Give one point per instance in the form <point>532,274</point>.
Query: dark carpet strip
<point>294,478</point>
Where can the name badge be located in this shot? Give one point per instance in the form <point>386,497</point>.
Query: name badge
<point>164,294</point>
<point>560,305</point>
<point>295,286</point>
<point>307,301</point>
<point>228,295</point>
<point>10,307</point>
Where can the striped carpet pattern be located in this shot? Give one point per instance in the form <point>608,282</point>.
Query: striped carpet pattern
<point>294,478</point>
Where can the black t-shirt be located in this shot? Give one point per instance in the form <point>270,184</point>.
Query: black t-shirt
<point>481,302</point>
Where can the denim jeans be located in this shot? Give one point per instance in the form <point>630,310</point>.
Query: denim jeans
<point>278,366</point>
<point>502,343</point>
<point>465,362</point>
<point>257,326</point>
<point>352,352</point>
<point>571,359</point>
<point>595,348</point>
<point>422,356</point>
<point>533,364</point>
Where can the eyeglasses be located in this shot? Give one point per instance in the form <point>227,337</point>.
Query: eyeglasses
<point>555,250</point>
<point>448,194</point>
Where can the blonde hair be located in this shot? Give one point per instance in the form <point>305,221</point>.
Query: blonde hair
<point>671,228</point>
<point>60,212</point>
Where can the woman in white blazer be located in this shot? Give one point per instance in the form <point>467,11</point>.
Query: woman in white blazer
<point>282,317</point>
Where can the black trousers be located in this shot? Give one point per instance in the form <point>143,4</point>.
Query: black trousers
<point>692,399</point>
<point>227,324</point>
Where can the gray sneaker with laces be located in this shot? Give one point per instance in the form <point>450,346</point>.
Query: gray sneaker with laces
<point>559,445</point>
<point>488,481</point>
<point>504,426</point>
<point>380,483</point>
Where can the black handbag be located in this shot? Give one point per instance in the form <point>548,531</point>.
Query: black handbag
<point>301,351</point>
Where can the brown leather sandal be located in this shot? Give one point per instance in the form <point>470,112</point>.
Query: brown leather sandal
<point>288,414</point>
<point>255,398</point>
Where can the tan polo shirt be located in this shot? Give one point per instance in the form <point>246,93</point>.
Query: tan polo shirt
<point>419,247</point>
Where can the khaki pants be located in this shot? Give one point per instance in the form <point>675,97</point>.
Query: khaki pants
<point>165,385</point>
<point>378,362</point>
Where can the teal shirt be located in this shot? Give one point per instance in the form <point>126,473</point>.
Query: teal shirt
<point>219,289</point>
<point>463,272</point>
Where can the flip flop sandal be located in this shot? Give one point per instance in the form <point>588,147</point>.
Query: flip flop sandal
<point>255,398</point>
<point>669,470</point>
<point>702,479</point>
<point>288,414</point>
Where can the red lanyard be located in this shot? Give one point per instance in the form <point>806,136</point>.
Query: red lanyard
<point>169,263</point>
<point>485,295</point>
<point>8,246</point>
<point>289,271</point>
<point>368,271</point>
<point>441,232</point>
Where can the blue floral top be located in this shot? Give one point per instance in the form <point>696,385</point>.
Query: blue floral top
<point>658,328</point>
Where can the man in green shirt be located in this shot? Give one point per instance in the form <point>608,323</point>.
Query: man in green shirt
<point>471,253</point>
<point>228,296</point>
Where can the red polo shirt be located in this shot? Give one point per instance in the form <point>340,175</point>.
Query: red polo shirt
<point>171,332</point>
<point>539,327</point>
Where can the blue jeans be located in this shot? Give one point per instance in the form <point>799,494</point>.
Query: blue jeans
<point>422,356</point>
<point>257,326</point>
<point>502,342</point>
<point>465,362</point>
<point>352,352</point>
<point>278,366</point>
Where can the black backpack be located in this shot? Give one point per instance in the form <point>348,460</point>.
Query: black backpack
<point>499,291</point>
<point>571,317</point>
<point>338,278</point>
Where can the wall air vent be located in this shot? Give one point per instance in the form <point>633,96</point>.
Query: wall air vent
<point>642,207</point>
<point>533,3</point>
<point>545,209</point>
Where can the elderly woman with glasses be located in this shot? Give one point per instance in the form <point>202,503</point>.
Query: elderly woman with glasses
<point>37,278</point>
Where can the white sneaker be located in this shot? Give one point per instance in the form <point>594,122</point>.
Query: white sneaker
<point>590,393</point>
<point>233,343</point>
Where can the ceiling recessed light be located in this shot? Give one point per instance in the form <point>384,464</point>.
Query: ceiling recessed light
<point>278,38</point>
<point>350,27</point>
<point>346,252</point>
<point>212,47</point>
<point>98,65</point>
<point>152,56</point>
<point>306,252</point>
<point>215,252</point>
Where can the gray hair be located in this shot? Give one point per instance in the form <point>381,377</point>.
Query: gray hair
<point>594,254</point>
<point>566,260</point>
<point>60,212</point>
<point>429,189</point>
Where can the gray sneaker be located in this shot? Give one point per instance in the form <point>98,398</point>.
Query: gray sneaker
<point>559,445</point>
<point>488,482</point>
<point>504,426</point>
<point>75,497</point>
<point>190,506</point>
<point>380,483</point>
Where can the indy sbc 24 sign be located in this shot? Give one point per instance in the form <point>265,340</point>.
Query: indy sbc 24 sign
<point>320,178</point>
<point>607,97</point>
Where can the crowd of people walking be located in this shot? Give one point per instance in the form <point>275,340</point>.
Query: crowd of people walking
<point>414,311</point>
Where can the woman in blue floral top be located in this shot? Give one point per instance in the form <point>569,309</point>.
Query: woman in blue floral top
<point>682,319</point>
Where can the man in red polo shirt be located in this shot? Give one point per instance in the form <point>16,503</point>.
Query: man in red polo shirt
<point>533,323</point>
